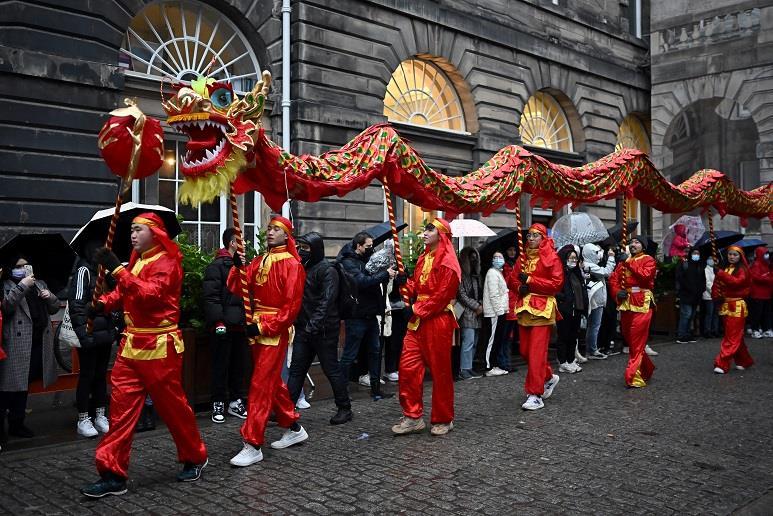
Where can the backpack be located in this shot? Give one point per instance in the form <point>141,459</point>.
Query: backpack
<point>347,293</point>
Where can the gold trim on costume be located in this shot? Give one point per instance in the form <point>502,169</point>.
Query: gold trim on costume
<point>741,309</point>
<point>426,268</point>
<point>142,262</point>
<point>160,350</point>
<point>439,225</point>
<point>145,222</point>
<point>266,263</point>
<point>626,306</point>
<point>282,225</point>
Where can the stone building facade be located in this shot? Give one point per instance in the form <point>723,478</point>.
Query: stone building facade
<point>65,64</point>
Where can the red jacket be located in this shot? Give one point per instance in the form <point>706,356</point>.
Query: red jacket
<point>762,276</point>
<point>433,286</point>
<point>637,275</point>
<point>546,278</point>
<point>732,283</point>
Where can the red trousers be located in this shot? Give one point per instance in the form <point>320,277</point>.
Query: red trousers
<point>131,381</point>
<point>428,346</point>
<point>733,346</point>
<point>534,350</point>
<point>636,330</point>
<point>268,393</point>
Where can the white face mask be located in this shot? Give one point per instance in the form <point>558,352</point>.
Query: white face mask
<point>766,256</point>
<point>571,264</point>
<point>695,257</point>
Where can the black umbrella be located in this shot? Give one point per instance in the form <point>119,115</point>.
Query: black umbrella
<point>723,239</point>
<point>616,233</point>
<point>49,254</point>
<point>383,232</point>
<point>500,242</point>
<point>97,227</point>
<point>748,244</point>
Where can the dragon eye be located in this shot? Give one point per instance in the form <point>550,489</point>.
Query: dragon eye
<point>221,98</point>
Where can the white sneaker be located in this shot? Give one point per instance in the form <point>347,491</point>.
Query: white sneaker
<point>86,428</point>
<point>290,438</point>
<point>625,349</point>
<point>575,366</point>
<point>302,404</point>
<point>549,386</point>
<point>719,370</point>
<point>748,331</point>
<point>757,334</point>
<point>533,402</point>
<point>496,371</point>
<point>566,367</point>
<point>651,352</point>
<point>581,359</point>
<point>365,380</point>
<point>768,334</point>
<point>740,368</point>
<point>102,424</point>
<point>392,377</point>
<point>597,355</point>
<point>248,456</point>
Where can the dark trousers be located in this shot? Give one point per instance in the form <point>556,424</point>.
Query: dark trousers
<point>92,378</point>
<point>15,403</point>
<point>760,315</point>
<point>362,332</point>
<point>511,337</point>
<point>324,346</point>
<point>229,356</point>
<point>607,329</point>
<point>394,343</point>
<point>568,329</point>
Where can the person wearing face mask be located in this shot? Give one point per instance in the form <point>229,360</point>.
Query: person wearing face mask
<point>495,304</point>
<point>731,285</point>
<point>760,310</point>
<point>632,284</point>
<point>710,307</point>
<point>572,304</point>
<point>597,294</point>
<point>690,282</point>
<point>28,340</point>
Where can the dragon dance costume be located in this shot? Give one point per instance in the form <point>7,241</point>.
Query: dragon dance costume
<point>150,354</point>
<point>636,277</point>
<point>275,282</point>
<point>732,285</point>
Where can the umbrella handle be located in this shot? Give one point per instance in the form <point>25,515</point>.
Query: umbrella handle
<point>242,270</point>
<point>395,238</point>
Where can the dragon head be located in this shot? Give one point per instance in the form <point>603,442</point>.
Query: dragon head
<point>220,127</point>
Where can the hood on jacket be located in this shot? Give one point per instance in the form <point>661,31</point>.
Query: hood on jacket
<point>317,245</point>
<point>223,253</point>
<point>590,254</point>
<point>347,251</point>
<point>681,230</point>
<point>759,255</point>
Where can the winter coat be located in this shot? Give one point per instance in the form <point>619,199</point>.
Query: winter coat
<point>78,299</point>
<point>220,305</point>
<point>572,289</point>
<point>762,276</point>
<point>690,281</point>
<point>597,284</point>
<point>680,243</point>
<point>17,338</point>
<point>319,309</point>
<point>709,272</point>
<point>469,295</point>
<point>495,294</point>
<point>369,294</point>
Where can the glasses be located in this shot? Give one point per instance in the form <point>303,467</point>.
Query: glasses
<point>533,236</point>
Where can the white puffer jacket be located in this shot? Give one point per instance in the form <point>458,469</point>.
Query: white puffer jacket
<point>597,284</point>
<point>494,294</point>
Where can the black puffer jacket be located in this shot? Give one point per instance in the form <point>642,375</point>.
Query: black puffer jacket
<point>573,298</point>
<point>369,295</point>
<point>220,305</point>
<point>78,299</point>
<point>319,310</point>
<point>690,281</point>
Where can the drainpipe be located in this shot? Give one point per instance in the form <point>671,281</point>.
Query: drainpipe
<point>286,10</point>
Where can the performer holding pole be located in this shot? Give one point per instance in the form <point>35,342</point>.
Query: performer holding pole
<point>429,337</point>
<point>731,286</point>
<point>150,355</point>
<point>631,283</point>
<point>537,278</point>
<point>276,281</point>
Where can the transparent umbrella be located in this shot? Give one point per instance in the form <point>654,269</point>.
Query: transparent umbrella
<point>578,228</point>
<point>693,224</point>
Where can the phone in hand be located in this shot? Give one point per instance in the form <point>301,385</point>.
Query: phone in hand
<point>29,270</point>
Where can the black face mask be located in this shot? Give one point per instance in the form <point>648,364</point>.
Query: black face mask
<point>305,256</point>
<point>368,252</point>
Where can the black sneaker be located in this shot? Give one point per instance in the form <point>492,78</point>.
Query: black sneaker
<point>682,340</point>
<point>342,416</point>
<point>237,408</point>
<point>692,340</point>
<point>191,472</point>
<point>109,484</point>
<point>218,412</point>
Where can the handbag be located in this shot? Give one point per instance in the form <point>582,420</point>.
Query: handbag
<point>66,331</point>
<point>458,310</point>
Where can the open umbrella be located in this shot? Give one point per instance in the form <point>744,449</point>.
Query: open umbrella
<point>382,231</point>
<point>616,232</point>
<point>578,228</point>
<point>503,239</point>
<point>723,239</point>
<point>470,228</point>
<point>693,225</point>
<point>748,244</point>
<point>97,227</point>
<point>49,254</point>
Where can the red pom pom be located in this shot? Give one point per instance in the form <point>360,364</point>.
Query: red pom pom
<point>116,145</point>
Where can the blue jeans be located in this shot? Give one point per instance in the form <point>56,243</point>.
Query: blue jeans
<point>710,317</point>
<point>686,312</point>
<point>362,332</point>
<point>469,341</point>
<point>592,332</point>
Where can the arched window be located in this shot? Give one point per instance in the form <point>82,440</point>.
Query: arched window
<point>419,93</point>
<point>632,135</point>
<point>544,124</point>
<point>184,39</point>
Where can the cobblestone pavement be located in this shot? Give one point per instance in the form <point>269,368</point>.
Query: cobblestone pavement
<point>691,442</point>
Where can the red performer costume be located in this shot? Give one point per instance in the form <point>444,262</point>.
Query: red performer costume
<point>732,285</point>
<point>275,282</point>
<point>429,337</point>
<point>537,277</point>
<point>631,283</point>
<point>150,354</point>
